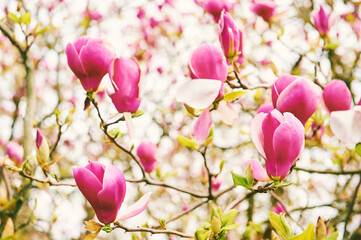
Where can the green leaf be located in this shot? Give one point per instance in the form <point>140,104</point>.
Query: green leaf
<point>333,236</point>
<point>249,174</point>
<point>25,18</point>
<point>320,229</point>
<point>57,113</point>
<point>107,229</point>
<point>231,227</point>
<point>358,149</point>
<point>162,223</point>
<point>332,45</point>
<point>216,225</point>
<point>221,164</point>
<point>239,180</point>
<point>233,95</point>
<point>308,234</point>
<point>229,217</point>
<point>115,132</point>
<point>44,29</point>
<point>202,234</point>
<point>214,213</point>
<point>138,114</point>
<point>280,224</point>
<point>280,184</point>
<point>13,17</point>
<point>186,142</point>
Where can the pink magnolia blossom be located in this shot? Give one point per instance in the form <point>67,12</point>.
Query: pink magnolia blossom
<point>323,21</point>
<point>278,208</point>
<point>336,96</point>
<point>146,153</point>
<point>93,15</point>
<point>216,184</point>
<point>209,69</point>
<point>203,126</point>
<point>279,139</point>
<point>215,7</point>
<point>230,36</point>
<point>265,107</point>
<point>258,171</point>
<point>42,149</point>
<point>346,125</point>
<point>295,95</point>
<point>89,60</point>
<point>125,76</point>
<point>104,187</point>
<point>15,152</point>
<point>264,8</point>
<point>359,103</point>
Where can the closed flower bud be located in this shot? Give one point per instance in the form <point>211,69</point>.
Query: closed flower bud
<point>230,36</point>
<point>264,8</point>
<point>146,153</point>
<point>104,187</point>
<point>215,7</point>
<point>89,60</point>
<point>42,149</point>
<point>125,76</point>
<point>295,95</point>
<point>336,96</point>
<point>15,152</point>
<point>279,139</point>
<point>323,21</point>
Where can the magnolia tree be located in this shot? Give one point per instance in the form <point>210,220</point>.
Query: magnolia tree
<point>175,119</point>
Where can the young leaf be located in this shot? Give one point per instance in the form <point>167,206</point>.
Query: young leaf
<point>358,149</point>
<point>233,95</point>
<point>93,226</point>
<point>216,225</point>
<point>239,180</point>
<point>280,224</point>
<point>308,234</point>
<point>25,18</point>
<point>229,217</point>
<point>13,17</point>
<point>320,229</point>
<point>186,142</point>
<point>249,174</point>
<point>231,227</point>
<point>333,236</point>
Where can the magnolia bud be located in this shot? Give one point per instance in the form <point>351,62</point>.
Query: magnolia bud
<point>42,149</point>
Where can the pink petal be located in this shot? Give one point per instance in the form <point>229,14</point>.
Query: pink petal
<point>208,62</point>
<point>227,113</point>
<point>257,133</point>
<point>203,126</point>
<point>280,84</point>
<point>265,108</point>
<point>269,125</point>
<point>74,61</point>
<point>134,209</point>
<point>130,124</point>
<point>258,171</point>
<point>97,169</point>
<point>89,185</point>
<point>301,98</point>
<point>198,93</point>
<point>336,96</point>
<point>112,195</point>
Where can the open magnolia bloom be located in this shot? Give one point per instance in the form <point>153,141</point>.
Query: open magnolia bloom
<point>346,125</point>
<point>104,187</point>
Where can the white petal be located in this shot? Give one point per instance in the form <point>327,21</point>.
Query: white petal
<point>198,93</point>
<point>134,209</point>
<point>226,112</point>
<point>345,126</point>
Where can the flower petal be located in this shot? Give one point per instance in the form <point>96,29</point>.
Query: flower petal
<point>257,133</point>
<point>198,93</point>
<point>112,195</point>
<point>203,126</point>
<point>227,113</point>
<point>97,169</point>
<point>134,209</point>
<point>259,172</point>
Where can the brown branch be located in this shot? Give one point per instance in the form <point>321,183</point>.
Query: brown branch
<point>350,209</point>
<point>210,175</point>
<point>153,231</point>
<point>47,180</point>
<point>329,171</point>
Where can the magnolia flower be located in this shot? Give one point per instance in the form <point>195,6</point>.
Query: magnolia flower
<point>215,184</point>
<point>279,139</point>
<point>208,69</point>
<point>42,149</point>
<point>230,36</point>
<point>336,96</point>
<point>215,7</point>
<point>125,76</point>
<point>265,108</point>
<point>264,8</point>
<point>295,95</point>
<point>278,208</point>
<point>146,153</point>
<point>323,21</point>
<point>89,60</point>
<point>104,187</point>
<point>15,152</point>
<point>346,125</point>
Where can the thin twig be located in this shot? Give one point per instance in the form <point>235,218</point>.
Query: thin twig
<point>329,171</point>
<point>153,231</point>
